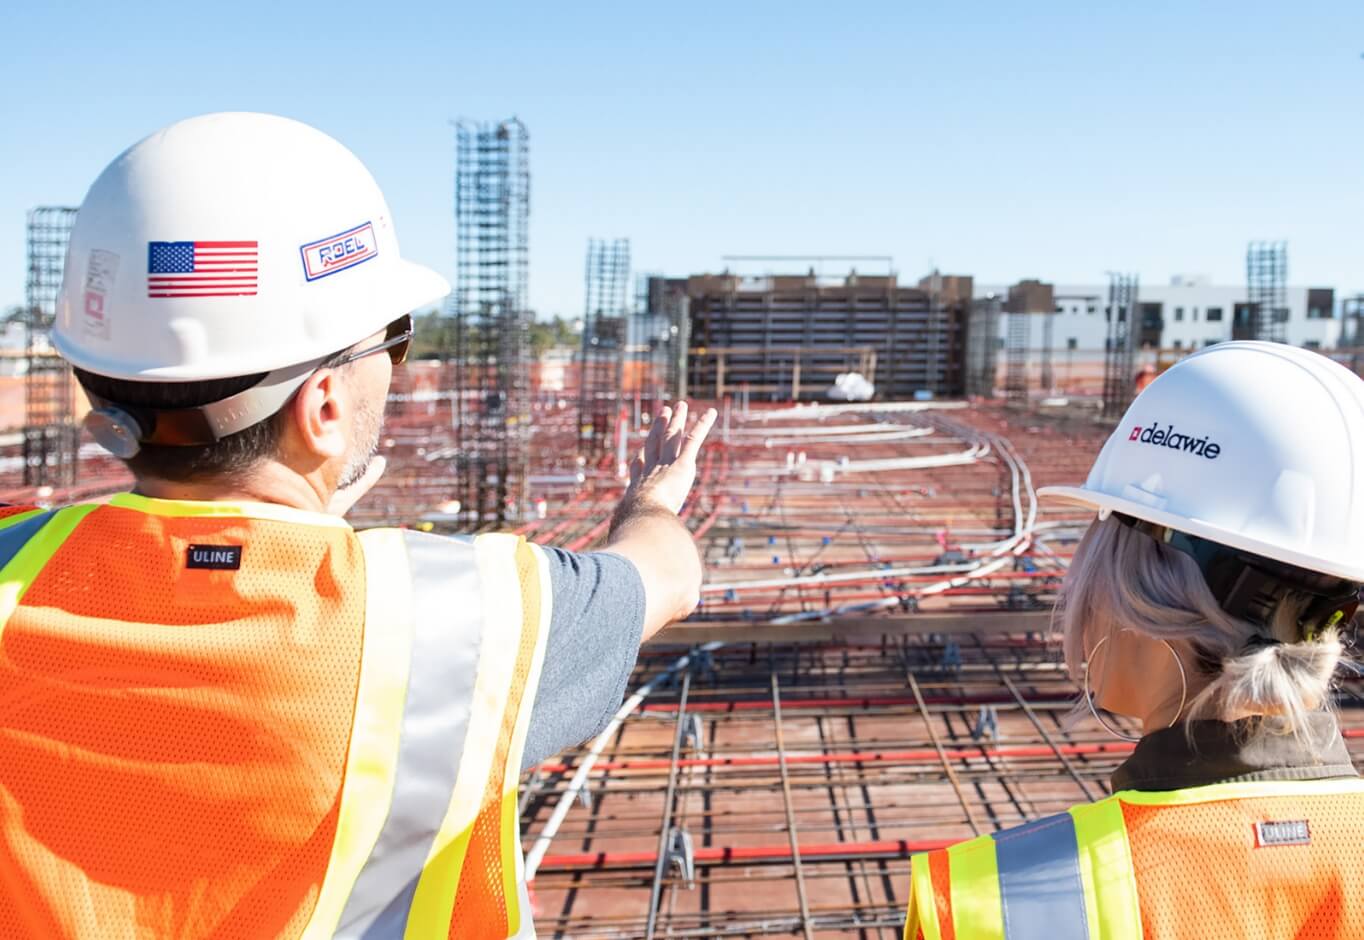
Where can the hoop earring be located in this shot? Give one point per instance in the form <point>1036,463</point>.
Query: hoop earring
<point>1089,695</point>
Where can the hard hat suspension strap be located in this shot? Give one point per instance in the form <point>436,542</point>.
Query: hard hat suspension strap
<point>122,429</point>
<point>1250,587</point>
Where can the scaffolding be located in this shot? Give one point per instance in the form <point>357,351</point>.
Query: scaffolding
<point>919,348</point>
<point>491,335</point>
<point>605,325</point>
<point>1120,346</point>
<point>51,435</point>
<point>1266,291</point>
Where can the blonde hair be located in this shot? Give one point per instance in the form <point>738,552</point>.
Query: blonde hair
<point>1121,579</point>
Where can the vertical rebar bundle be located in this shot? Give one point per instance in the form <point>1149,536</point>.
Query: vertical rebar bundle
<point>934,329</point>
<point>51,436</point>
<point>1016,357</point>
<point>1352,332</point>
<point>603,342</point>
<point>492,323</point>
<point>1120,347</point>
<point>1048,340</point>
<point>1267,289</point>
<point>982,347</point>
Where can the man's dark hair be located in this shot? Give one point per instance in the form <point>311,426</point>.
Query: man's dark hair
<point>231,456</point>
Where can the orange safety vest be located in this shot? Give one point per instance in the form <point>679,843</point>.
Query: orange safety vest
<point>241,720</point>
<point>1228,861</point>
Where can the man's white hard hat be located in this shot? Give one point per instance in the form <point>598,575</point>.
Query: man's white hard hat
<point>229,245</point>
<point>1258,446</point>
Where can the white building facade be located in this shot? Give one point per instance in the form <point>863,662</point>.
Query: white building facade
<point>1186,313</point>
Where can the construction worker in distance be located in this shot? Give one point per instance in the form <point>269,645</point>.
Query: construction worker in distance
<point>1207,605</point>
<point>223,712</point>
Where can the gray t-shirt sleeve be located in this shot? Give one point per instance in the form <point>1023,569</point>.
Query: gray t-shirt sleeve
<point>595,627</point>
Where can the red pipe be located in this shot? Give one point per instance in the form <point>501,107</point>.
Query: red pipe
<point>856,757</point>
<point>901,848</point>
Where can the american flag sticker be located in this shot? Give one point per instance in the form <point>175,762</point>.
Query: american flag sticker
<point>201,269</point>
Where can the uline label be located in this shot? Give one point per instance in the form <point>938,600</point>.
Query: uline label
<point>1291,832</point>
<point>215,557</point>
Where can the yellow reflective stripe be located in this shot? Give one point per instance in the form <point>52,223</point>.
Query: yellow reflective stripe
<point>537,603</point>
<point>973,876</point>
<point>28,562</point>
<point>372,759</point>
<point>1110,884</point>
<point>1242,791</point>
<point>434,898</point>
<point>18,517</point>
<point>923,907</point>
<point>226,509</point>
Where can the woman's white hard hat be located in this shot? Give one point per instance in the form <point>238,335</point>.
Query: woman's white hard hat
<point>228,245</point>
<point>1258,446</point>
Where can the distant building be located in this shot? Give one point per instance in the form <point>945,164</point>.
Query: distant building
<point>790,336</point>
<point>1186,313</point>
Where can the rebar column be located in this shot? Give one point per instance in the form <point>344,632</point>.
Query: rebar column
<point>492,323</point>
<point>51,436</point>
<point>1120,346</point>
<point>1267,290</point>
<point>603,342</point>
<point>1016,357</point>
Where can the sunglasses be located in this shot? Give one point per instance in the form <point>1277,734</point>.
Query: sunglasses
<point>397,341</point>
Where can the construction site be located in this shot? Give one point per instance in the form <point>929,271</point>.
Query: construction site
<point>872,672</point>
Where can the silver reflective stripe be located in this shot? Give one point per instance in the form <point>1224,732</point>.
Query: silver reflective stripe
<point>1039,881</point>
<point>446,640</point>
<point>14,537</point>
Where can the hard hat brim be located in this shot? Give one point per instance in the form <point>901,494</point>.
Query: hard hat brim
<point>418,286</point>
<point>1090,499</point>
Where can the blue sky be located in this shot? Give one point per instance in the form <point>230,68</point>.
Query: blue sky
<point>1003,140</point>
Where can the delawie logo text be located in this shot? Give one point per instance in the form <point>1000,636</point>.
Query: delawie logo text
<point>1168,437</point>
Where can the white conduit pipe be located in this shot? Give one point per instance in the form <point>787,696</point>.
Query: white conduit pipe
<point>551,828</point>
<point>871,437</point>
<point>804,429</point>
<point>958,459</point>
<point>803,412</point>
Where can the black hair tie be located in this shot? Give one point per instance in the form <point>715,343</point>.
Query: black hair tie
<point>1258,641</point>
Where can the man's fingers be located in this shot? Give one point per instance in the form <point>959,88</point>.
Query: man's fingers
<point>637,468</point>
<point>692,448</point>
<point>672,446</point>
<point>679,421</point>
<point>653,444</point>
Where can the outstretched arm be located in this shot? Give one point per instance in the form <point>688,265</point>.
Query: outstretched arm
<point>645,528</point>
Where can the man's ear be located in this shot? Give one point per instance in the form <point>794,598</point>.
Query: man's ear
<point>321,414</point>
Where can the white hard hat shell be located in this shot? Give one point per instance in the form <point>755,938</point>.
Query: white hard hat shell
<point>1258,446</point>
<point>145,296</point>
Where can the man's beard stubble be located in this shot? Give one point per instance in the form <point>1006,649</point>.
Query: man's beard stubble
<point>369,423</point>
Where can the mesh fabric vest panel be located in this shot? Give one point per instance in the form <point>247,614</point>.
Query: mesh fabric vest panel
<point>173,740</point>
<point>1198,864</point>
